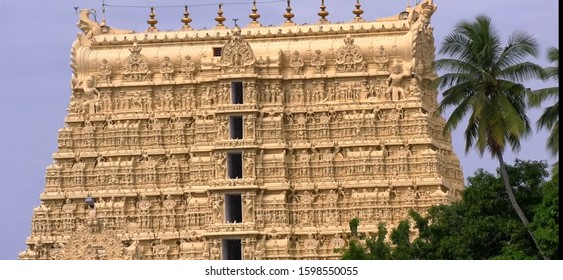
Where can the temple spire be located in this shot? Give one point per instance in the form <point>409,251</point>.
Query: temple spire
<point>358,12</point>
<point>186,20</point>
<point>220,18</point>
<point>323,13</point>
<point>152,21</point>
<point>288,15</point>
<point>254,16</point>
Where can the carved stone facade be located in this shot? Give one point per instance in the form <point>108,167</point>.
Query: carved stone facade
<point>177,143</point>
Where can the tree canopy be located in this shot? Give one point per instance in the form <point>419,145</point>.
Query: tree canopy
<point>481,226</point>
<point>484,79</point>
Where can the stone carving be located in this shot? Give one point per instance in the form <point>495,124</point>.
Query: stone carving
<point>160,250</point>
<point>104,71</point>
<point>428,9</point>
<point>248,249</point>
<point>167,68</point>
<point>92,27</point>
<point>187,67</point>
<point>187,98</point>
<point>237,54</point>
<point>133,251</point>
<point>338,242</point>
<point>311,244</point>
<point>216,250</point>
<point>349,58</point>
<point>92,245</point>
<point>217,207</point>
<point>381,59</point>
<point>248,205</point>
<point>414,89</point>
<point>296,63</point>
<point>136,66</point>
<point>323,140</point>
<point>260,251</point>
<point>395,91</point>
<point>318,62</point>
<point>91,103</point>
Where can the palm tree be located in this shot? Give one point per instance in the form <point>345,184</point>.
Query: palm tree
<point>484,79</point>
<point>550,117</point>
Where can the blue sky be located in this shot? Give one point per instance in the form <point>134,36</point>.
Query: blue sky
<point>36,37</point>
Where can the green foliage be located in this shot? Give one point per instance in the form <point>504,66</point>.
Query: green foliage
<point>550,117</point>
<point>483,79</point>
<point>354,223</point>
<point>546,218</point>
<point>480,226</point>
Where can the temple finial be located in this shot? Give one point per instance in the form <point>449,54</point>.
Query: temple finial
<point>152,21</point>
<point>220,18</point>
<point>186,20</point>
<point>323,13</point>
<point>254,16</point>
<point>358,12</point>
<point>288,15</point>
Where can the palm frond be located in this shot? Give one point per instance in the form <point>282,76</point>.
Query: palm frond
<point>538,96</point>
<point>520,47</point>
<point>484,79</point>
<point>521,72</point>
<point>550,117</point>
<point>553,141</point>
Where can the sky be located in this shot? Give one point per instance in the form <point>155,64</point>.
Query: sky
<point>36,38</point>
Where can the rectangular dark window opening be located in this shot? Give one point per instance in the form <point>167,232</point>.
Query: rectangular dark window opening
<point>235,127</point>
<point>233,208</point>
<point>234,165</point>
<point>237,96</point>
<point>231,249</point>
<point>217,52</point>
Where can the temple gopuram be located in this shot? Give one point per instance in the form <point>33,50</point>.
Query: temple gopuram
<point>255,142</point>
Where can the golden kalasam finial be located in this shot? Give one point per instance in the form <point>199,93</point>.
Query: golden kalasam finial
<point>358,12</point>
<point>254,16</point>
<point>288,15</point>
<point>186,20</point>
<point>323,13</point>
<point>152,21</point>
<point>220,18</point>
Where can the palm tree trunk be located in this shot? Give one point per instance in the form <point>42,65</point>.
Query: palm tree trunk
<point>512,198</point>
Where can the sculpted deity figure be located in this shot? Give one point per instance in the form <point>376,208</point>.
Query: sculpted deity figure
<point>222,129</point>
<point>249,167</point>
<point>251,93</point>
<point>221,167</point>
<point>395,91</point>
<point>414,89</point>
<point>297,63</point>
<point>205,250</point>
<point>248,250</point>
<point>381,58</point>
<point>249,127</point>
<point>188,67</point>
<point>166,68</point>
<point>216,250</point>
<point>104,70</point>
<point>92,96</point>
<point>318,62</point>
<point>259,252</point>
<point>248,207</point>
<point>217,206</point>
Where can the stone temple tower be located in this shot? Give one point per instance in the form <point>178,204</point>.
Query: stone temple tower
<point>249,142</point>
